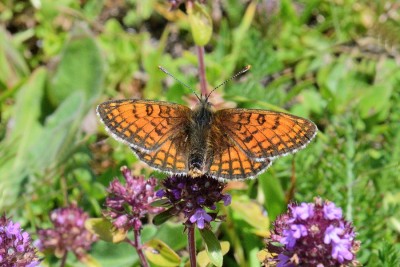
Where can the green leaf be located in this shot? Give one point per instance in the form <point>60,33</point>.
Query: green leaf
<point>160,203</point>
<point>115,255</point>
<point>151,58</point>
<point>375,100</point>
<point>213,247</point>
<point>252,213</point>
<point>274,195</point>
<point>174,230</point>
<point>14,159</point>
<point>12,64</point>
<point>301,68</point>
<point>105,230</point>
<point>161,254</point>
<point>93,8</point>
<point>162,217</point>
<point>57,139</point>
<point>239,35</point>
<point>200,23</point>
<point>80,68</point>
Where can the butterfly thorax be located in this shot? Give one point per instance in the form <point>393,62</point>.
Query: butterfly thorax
<point>201,119</point>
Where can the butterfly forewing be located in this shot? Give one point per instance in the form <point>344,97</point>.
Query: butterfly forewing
<point>142,124</point>
<point>263,134</point>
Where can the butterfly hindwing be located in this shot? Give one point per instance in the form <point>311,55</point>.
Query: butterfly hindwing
<point>171,157</point>
<point>233,164</point>
<point>143,124</point>
<point>227,161</point>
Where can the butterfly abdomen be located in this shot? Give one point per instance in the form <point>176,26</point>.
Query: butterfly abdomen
<point>201,121</point>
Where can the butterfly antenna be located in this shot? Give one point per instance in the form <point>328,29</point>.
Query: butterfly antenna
<point>184,84</point>
<point>231,78</point>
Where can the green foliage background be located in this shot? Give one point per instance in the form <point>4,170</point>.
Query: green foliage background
<point>335,62</point>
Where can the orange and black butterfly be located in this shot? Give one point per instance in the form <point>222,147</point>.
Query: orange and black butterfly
<point>226,144</point>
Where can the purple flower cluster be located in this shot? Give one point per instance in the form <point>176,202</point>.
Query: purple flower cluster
<point>15,245</point>
<point>313,234</point>
<point>128,204</point>
<point>191,196</point>
<point>69,233</point>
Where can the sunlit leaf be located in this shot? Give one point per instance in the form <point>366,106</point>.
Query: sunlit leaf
<point>203,259</point>
<point>105,230</point>
<point>90,261</point>
<point>160,253</point>
<point>213,247</point>
<point>200,23</point>
<point>252,213</point>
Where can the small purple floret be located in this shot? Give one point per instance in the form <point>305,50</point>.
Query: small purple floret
<point>295,232</point>
<point>341,250</point>
<point>332,234</point>
<point>227,199</point>
<point>200,217</point>
<point>201,200</point>
<point>160,193</point>
<point>284,261</point>
<point>303,211</point>
<point>331,212</point>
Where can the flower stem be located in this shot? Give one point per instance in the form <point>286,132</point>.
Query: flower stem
<point>192,246</point>
<point>64,259</point>
<point>202,70</point>
<point>137,245</point>
<point>290,193</point>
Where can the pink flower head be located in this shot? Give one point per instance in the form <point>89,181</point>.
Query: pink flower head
<point>68,234</point>
<point>128,203</point>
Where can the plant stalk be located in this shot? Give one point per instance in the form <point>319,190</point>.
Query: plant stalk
<point>202,70</point>
<point>290,193</point>
<point>64,259</point>
<point>136,243</point>
<point>192,246</point>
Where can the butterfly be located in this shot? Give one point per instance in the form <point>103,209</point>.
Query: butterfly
<point>227,144</point>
